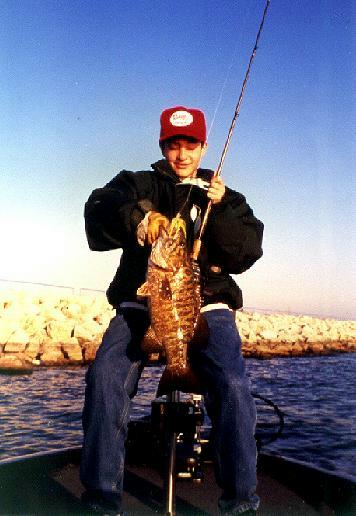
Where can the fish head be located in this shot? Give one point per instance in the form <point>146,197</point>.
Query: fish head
<point>169,251</point>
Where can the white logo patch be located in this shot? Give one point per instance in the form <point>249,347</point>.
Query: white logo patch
<point>181,118</point>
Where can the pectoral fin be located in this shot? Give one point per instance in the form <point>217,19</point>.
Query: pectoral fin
<point>201,334</point>
<point>144,290</point>
<point>150,343</point>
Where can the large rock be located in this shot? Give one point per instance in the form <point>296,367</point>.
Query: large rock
<point>8,326</point>
<point>39,338</point>
<point>33,349</point>
<point>35,325</point>
<point>60,331</point>
<point>14,347</point>
<point>19,336</point>
<point>14,364</point>
<point>51,313</point>
<point>17,342</point>
<point>72,310</point>
<point>268,334</point>
<point>72,351</point>
<point>89,350</point>
<point>51,354</point>
<point>5,331</point>
<point>87,330</point>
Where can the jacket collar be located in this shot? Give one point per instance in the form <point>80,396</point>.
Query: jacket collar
<point>163,167</point>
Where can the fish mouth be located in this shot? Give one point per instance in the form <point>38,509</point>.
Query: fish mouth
<point>168,251</point>
<point>178,227</point>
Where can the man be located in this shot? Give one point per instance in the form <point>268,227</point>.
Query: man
<point>127,213</point>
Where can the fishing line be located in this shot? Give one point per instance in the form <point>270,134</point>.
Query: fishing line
<point>222,91</point>
<point>217,107</point>
<point>179,214</point>
<point>228,73</point>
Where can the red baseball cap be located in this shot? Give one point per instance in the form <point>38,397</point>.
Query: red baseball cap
<point>182,121</point>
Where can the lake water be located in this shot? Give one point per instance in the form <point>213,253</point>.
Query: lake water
<point>42,411</point>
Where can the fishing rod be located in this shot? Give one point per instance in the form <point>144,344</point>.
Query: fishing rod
<point>217,173</point>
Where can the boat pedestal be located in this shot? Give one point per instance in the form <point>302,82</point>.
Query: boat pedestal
<point>172,443</point>
<point>177,425</point>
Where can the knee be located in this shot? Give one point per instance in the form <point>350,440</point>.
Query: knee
<point>103,386</point>
<point>232,386</point>
<point>111,353</point>
<point>97,373</point>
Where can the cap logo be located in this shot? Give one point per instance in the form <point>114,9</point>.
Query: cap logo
<point>181,118</point>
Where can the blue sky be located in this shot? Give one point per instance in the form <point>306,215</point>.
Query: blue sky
<point>81,90</point>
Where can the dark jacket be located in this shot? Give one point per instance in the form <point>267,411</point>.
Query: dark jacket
<point>231,241</point>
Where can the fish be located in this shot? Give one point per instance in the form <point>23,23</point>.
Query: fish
<point>172,288</point>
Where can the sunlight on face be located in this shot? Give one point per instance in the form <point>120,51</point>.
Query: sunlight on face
<point>184,155</point>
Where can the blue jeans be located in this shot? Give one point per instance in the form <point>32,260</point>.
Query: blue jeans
<point>111,382</point>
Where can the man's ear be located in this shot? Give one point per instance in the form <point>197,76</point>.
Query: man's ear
<point>204,148</point>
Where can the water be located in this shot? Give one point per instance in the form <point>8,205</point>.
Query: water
<point>316,394</point>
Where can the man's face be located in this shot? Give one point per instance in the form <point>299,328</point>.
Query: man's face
<point>184,155</point>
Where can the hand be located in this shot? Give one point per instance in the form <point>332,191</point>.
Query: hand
<point>216,190</point>
<point>156,221</point>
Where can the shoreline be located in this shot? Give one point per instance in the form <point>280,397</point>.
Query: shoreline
<point>43,330</point>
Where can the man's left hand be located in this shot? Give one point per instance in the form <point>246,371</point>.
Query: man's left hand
<point>216,190</point>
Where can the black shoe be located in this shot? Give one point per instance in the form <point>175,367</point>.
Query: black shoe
<point>232,512</point>
<point>228,507</point>
<point>101,503</point>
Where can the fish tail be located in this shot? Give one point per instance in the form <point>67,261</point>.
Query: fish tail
<point>176,379</point>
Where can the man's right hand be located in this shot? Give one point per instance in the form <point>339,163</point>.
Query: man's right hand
<point>156,221</point>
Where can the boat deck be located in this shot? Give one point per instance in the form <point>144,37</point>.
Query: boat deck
<point>49,484</point>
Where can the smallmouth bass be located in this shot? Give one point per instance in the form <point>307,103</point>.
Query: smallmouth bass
<point>173,290</point>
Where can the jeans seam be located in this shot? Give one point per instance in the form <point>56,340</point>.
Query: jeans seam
<point>123,417</point>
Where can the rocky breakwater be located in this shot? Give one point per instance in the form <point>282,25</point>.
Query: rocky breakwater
<point>53,330</point>
<point>50,330</point>
<point>280,335</point>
